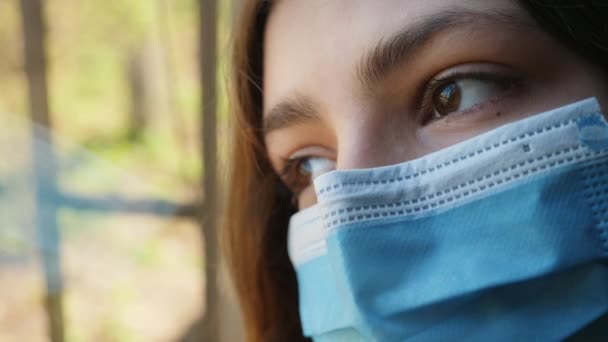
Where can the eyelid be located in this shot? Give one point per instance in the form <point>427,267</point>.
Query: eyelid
<point>474,71</point>
<point>310,151</point>
<point>470,70</point>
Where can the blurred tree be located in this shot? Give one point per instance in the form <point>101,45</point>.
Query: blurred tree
<point>147,80</point>
<point>43,161</point>
<point>107,61</point>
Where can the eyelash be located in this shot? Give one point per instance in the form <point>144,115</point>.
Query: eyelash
<point>426,93</point>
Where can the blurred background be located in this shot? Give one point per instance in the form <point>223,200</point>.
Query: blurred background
<point>113,116</point>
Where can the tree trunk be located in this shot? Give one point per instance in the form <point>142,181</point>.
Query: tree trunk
<point>43,161</point>
<point>208,64</point>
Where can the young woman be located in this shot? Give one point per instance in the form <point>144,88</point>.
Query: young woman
<point>462,153</point>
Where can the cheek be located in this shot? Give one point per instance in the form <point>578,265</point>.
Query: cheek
<point>569,78</point>
<point>307,198</point>
<point>595,83</point>
<point>579,81</point>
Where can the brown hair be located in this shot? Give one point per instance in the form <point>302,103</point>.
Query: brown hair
<point>258,205</point>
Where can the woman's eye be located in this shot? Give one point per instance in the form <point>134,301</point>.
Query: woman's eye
<point>315,166</point>
<point>460,95</point>
<point>299,172</point>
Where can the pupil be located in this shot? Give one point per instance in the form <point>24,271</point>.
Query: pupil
<point>447,100</point>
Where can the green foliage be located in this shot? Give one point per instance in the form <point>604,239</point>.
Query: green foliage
<point>90,46</point>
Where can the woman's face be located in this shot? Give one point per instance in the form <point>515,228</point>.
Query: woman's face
<point>359,83</point>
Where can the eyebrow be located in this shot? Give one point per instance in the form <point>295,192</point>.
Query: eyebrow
<point>399,48</point>
<point>386,56</point>
<point>294,110</point>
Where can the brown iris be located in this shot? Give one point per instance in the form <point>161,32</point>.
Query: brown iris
<point>446,100</point>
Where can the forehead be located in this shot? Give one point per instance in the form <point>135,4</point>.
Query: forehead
<point>314,46</point>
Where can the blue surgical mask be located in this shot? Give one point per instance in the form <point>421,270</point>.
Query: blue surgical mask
<point>498,238</point>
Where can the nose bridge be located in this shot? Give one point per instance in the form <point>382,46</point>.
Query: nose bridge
<point>358,151</point>
<point>374,142</point>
